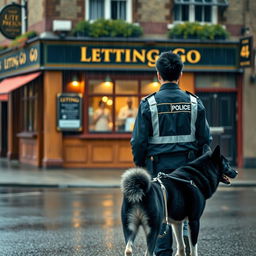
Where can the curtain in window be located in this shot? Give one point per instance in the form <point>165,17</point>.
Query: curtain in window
<point>118,9</point>
<point>96,9</point>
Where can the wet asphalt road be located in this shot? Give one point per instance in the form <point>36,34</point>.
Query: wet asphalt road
<point>70,222</point>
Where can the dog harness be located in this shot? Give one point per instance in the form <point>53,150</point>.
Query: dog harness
<point>164,191</point>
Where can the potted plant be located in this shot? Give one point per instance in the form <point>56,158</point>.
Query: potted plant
<point>195,30</point>
<point>82,28</point>
<point>21,40</point>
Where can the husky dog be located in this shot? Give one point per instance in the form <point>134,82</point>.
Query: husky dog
<point>144,203</point>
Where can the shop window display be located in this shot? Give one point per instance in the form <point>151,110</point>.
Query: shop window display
<point>100,114</point>
<point>111,101</point>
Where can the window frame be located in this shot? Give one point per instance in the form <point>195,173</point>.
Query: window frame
<point>107,10</point>
<point>192,11</point>
<point>86,77</point>
<point>29,106</point>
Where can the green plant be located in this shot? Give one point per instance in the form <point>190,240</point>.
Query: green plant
<point>19,41</point>
<point>100,28</point>
<point>107,28</point>
<point>3,47</point>
<point>197,31</point>
<point>82,28</point>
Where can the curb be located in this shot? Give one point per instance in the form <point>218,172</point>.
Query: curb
<point>45,185</point>
<point>29,185</point>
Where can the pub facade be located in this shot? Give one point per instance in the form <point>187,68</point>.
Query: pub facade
<point>52,89</point>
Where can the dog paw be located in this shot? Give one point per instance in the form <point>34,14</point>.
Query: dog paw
<point>180,253</point>
<point>128,252</point>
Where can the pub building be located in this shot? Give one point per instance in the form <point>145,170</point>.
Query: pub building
<point>63,101</point>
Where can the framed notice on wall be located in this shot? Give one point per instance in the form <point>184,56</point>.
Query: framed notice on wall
<point>69,112</point>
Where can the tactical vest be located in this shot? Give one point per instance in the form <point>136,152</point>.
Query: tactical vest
<point>157,139</point>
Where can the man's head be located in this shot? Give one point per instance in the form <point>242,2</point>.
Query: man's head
<point>129,102</point>
<point>169,66</point>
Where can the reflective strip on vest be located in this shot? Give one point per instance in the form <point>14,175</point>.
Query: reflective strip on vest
<point>157,139</point>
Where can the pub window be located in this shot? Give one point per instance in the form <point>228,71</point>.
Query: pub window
<point>111,100</point>
<point>29,105</point>
<point>109,9</point>
<point>203,11</point>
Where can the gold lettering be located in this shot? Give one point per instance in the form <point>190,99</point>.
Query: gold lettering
<point>139,55</point>
<point>106,53</point>
<point>193,56</point>
<point>118,53</point>
<point>67,99</point>
<point>127,55</point>
<point>11,62</point>
<point>33,54</point>
<point>96,55</point>
<point>22,58</point>
<point>180,50</point>
<point>84,57</point>
<point>152,57</point>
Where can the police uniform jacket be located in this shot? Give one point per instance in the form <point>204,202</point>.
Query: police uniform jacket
<point>170,124</point>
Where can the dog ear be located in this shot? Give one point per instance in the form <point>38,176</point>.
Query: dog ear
<point>216,153</point>
<point>206,148</point>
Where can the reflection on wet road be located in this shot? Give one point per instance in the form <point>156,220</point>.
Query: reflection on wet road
<point>87,222</point>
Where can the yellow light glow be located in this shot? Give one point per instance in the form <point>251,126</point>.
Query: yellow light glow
<point>109,102</point>
<point>75,83</point>
<point>104,98</point>
<point>108,84</point>
<point>155,84</point>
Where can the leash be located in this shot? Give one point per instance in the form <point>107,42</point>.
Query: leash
<point>169,176</point>
<point>158,179</point>
<point>165,197</point>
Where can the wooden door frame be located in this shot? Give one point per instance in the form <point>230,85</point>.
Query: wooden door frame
<point>239,128</point>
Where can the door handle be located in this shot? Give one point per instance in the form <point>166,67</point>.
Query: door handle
<point>217,130</point>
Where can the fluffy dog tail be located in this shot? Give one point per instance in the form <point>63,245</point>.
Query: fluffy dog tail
<point>135,183</point>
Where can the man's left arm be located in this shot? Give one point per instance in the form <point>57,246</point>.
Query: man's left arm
<point>139,140</point>
<point>203,134</point>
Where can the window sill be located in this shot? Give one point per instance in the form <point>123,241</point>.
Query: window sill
<point>27,135</point>
<point>101,136</point>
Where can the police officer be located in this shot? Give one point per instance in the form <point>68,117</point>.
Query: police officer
<point>170,129</point>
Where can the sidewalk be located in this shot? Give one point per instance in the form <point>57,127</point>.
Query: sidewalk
<point>15,174</point>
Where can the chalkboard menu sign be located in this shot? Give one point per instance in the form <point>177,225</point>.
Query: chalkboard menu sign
<point>69,112</point>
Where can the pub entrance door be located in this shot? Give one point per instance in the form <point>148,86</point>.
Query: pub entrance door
<point>3,129</point>
<point>221,115</point>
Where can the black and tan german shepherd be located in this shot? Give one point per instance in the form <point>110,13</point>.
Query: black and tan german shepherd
<point>143,203</point>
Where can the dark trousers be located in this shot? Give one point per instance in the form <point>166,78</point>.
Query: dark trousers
<point>164,241</point>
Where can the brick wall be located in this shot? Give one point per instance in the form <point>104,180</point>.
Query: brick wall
<point>64,10</point>
<point>154,15</point>
<point>36,15</point>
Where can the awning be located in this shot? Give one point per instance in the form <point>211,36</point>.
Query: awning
<point>3,97</point>
<point>10,84</point>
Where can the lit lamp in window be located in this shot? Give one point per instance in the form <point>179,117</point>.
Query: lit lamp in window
<point>110,102</point>
<point>104,99</point>
<point>108,82</point>
<point>155,82</point>
<point>75,81</point>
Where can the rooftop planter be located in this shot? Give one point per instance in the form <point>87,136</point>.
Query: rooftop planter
<point>107,28</point>
<point>194,30</point>
<point>20,41</point>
